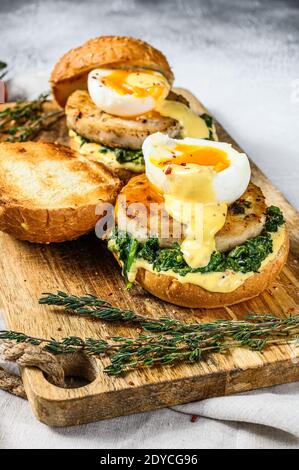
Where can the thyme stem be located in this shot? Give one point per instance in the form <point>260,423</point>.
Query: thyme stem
<point>25,120</point>
<point>163,340</point>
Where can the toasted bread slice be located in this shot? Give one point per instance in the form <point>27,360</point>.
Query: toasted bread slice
<point>49,192</point>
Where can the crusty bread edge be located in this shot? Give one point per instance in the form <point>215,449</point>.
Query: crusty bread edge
<point>189,295</point>
<point>24,221</point>
<point>47,226</point>
<point>70,72</point>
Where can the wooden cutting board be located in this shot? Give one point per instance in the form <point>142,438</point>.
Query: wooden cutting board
<point>85,266</point>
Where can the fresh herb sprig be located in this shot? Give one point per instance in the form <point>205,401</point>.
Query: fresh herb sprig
<point>89,306</point>
<point>164,340</point>
<point>170,340</point>
<point>92,306</point>
<point>69,345</point>
<point>3,69</point>
<point>26,119</point>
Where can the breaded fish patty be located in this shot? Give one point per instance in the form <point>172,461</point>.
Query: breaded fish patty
<point>245,217</point>
<point>86,119</point>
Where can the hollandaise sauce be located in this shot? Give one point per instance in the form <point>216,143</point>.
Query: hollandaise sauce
<point>192,125</point>
<point>190,198</point>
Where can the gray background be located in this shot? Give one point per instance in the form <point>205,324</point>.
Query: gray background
<point>241,58</point>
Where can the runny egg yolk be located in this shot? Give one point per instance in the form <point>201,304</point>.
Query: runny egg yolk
<point>183,154</point>
<point>140,84</point>
<point>191,200</point>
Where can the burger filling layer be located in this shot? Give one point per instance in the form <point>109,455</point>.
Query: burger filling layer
<point>112,157</point>
<point>116,139</point>
<point>225,272</point>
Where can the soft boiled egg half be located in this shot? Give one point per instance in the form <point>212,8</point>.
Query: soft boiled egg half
<point>127,93</point>
<point>198,179</point>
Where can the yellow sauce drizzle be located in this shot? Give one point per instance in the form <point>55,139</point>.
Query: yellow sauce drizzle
<point>192,124</point>
<point>191,201</point>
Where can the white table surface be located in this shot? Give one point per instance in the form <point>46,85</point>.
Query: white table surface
<point>242,60</point>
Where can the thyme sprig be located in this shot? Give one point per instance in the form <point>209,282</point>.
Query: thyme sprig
<point>92,306</point>
<point>147,350</point>
<point>3,69</point>
<point>26,119</point>
<point>163,340</point>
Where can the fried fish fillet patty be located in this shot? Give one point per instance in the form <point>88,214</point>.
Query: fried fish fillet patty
<point>95,125</point>
<point>245,217</point>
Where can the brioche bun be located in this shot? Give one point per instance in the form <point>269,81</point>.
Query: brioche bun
<point>70,72</point>
<point>190,295</point>
<point>49,193</point>
<point>171,290</point>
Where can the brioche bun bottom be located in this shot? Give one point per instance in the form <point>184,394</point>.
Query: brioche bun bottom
<point>171,290</point>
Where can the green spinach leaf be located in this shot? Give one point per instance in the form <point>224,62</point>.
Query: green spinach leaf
<point>274,218</point>
<point>209,122</point>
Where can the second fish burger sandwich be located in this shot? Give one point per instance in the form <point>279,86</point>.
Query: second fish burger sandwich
<point>116,92</point>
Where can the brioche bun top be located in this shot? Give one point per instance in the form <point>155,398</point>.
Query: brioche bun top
<point>70,72</point>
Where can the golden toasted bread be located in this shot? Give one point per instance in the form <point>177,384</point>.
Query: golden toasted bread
<point>49,192</point>
<point>70,72</point>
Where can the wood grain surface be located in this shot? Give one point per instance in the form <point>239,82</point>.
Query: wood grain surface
<point>85,266</point>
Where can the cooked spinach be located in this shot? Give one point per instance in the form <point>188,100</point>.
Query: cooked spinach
<point>124,155</point>
<point>239,206</point>
<point>83,141</point>
<point>128,155</point>
<point>149,250</point>
<point>121,155</point>
<point>208,119</point>
<point>243,258</point>
<point>249,256</point>
<point>274,218</point>
<point>209,122</point>
<point>126,247</point>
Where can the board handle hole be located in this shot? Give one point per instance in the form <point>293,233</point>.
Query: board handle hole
<point>79,371</point>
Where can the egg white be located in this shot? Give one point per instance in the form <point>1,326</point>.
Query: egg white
<point>228,184</point>
<point>112,102</point>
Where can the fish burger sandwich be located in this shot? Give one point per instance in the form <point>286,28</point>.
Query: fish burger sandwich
<point>194,230</point>
<point>116,92</point>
